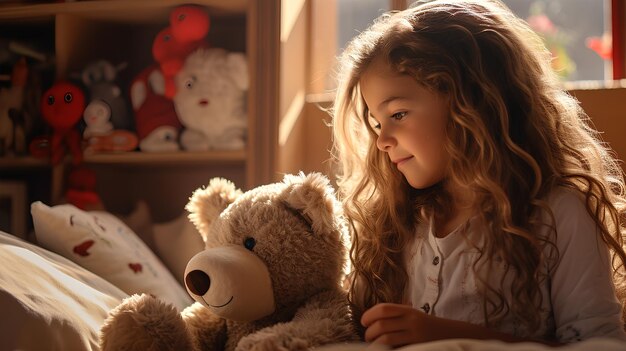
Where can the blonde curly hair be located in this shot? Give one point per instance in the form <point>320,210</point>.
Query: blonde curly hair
<point>513,135</point>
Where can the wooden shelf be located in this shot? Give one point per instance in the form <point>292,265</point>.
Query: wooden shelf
<point>11,162</point>
<point>168,158</point>
<point>135,11</point>
<point>199,158</point>
<point>76,33</point>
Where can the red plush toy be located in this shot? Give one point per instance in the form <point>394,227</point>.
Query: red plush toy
<point>155,116</point>
<point>188,27</point>
<point>81,189</point>
<point>62,107</point>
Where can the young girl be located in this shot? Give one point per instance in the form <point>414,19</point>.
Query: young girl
<point>482,203</point>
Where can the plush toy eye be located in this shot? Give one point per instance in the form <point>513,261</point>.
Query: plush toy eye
<point>51,100</point>
<point>166,38</point>
<point>67,97</point>
<point>181,16</point>
<point>249,243</point>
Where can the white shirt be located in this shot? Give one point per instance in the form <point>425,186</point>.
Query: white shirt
<point>579,299</point>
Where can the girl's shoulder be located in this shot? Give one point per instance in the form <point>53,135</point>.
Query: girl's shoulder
<point>564,210</point>
<point>566,201</point>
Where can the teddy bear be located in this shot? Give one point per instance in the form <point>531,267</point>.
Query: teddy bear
<point>210,100</point>
<point>270,277</point>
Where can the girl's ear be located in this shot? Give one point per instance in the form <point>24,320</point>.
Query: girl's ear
<point>313,197</point>
<point>206,204</point>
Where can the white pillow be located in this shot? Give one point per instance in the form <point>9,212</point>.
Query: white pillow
<point>176,242</point>
<point>49,302</point>
<point>103,244</point>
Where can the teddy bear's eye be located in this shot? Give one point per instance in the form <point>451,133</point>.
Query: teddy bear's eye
<point>249,243</point>
<point>189,83</point>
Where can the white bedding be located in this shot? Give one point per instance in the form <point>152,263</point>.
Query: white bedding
<point>594,344</point>
<point>50,303</point>
<point>47,302</point>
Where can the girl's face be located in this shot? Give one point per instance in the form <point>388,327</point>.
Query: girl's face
<point>410,122</point>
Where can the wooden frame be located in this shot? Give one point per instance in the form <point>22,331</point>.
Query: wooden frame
<point>16,193</point>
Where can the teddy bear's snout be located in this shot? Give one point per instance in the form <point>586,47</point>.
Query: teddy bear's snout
<point>198,282</point>
<point>232,281</point>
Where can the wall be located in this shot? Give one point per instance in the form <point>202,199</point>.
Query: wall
<point>607,109</point>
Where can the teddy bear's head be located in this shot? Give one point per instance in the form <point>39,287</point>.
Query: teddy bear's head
<point>268,249</point>
<point>210,91</point>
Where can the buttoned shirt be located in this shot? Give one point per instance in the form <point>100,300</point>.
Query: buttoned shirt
<point>578,296</point>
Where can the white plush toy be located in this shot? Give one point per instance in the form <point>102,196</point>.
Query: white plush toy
<point>210,100</point>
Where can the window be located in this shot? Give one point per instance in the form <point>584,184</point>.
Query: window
<point>577,32</point>
<point>354,16</point>
<point>587,37</point>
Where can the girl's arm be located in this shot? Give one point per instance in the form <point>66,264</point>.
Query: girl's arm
<point>582,295</point>
<point>397,325</point>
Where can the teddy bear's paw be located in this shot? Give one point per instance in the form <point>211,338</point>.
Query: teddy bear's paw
<point>273,343</point>
<point>143,322</point>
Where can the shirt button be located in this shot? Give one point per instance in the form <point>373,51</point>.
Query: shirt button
<point>426,307</point>
<point>436,260</point>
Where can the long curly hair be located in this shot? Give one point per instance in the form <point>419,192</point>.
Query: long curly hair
<point>513,135</point>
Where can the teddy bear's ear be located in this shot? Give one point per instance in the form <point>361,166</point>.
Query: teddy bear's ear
<point>314,198</point>
<point>206,204</point>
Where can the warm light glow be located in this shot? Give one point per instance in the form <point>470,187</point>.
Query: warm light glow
<point>290,117</point>
<point>289,13</point>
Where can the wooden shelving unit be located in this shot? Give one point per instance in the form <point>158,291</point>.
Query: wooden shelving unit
<point>122,31</point>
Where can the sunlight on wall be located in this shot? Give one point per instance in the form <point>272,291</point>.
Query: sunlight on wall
<point>290,118</point>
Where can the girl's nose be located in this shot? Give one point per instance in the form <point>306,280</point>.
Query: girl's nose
<point>384,141</point>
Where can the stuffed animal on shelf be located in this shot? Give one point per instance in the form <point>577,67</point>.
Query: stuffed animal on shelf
<point>100,79</point>
<point>270,277</point>
<point>156,120</point>
<point>62,106</point>
<point>210,100</point>
<point>188,28</point>
<point>12,118</point>
<point>97,117</point>
<point>81,189</point>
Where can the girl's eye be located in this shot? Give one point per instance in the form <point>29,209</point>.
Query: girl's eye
<point>249,243</point>
<point>399,115</point>
<point>373,123</point>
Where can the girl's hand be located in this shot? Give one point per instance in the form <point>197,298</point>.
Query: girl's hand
<point>397,325</point>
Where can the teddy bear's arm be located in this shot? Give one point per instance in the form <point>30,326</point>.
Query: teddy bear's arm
<point>324,319</point>
<point>207,330</point>
<point>143,322</point>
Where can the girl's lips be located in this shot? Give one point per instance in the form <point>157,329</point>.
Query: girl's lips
<point>402,160</point>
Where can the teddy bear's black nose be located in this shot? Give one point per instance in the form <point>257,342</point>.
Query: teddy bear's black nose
<point>198,282</point>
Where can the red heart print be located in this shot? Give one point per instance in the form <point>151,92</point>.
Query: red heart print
<point>135,267</point>
<point>81,249</point>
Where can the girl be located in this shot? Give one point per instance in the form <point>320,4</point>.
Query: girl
<point>482,203</point>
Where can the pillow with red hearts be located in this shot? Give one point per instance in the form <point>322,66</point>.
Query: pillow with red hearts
<point>104,245</point>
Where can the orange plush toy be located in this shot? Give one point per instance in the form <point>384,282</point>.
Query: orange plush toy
<point>62,107</point>
<point>188,28</point>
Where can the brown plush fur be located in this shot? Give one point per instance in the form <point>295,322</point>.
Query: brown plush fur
<point>301,237</point>
<point>138,314</point>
